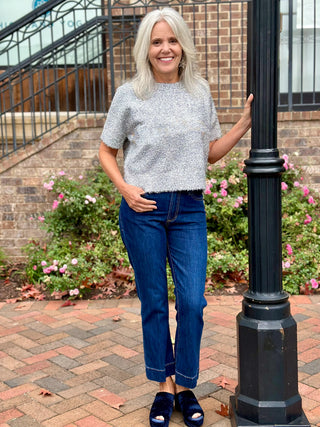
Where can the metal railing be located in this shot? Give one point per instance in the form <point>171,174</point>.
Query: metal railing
<point>43,26</point>
<point>44,91</point>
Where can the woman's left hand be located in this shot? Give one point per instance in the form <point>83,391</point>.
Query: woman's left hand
<point>246,114</point>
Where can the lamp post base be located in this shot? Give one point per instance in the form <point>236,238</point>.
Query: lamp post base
<point>237,421</point>
<point>267,392</point>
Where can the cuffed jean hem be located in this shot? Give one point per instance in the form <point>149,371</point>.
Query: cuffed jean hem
<point>160,376</point>
<point>186,381</point>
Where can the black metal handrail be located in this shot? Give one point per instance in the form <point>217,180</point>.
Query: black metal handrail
<point>34,31</point>
<point>11,71</point>
<point>29,18</point>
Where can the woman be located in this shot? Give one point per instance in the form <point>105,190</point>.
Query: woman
<point>166,123</point>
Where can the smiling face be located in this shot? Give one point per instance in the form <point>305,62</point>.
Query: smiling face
<point>165,53</point>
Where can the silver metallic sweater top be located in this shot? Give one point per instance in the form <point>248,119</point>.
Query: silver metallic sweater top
<point>165,138</point>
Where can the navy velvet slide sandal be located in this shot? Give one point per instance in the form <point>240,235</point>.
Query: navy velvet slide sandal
<point>162,406</point>
<point>186,402</point>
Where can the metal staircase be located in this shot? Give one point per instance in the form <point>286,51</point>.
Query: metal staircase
<point>55,62</point>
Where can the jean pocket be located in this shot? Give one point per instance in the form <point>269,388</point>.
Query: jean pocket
<point>196,195</point>
<point>146,195</point>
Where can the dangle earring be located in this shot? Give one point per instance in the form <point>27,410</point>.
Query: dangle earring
<point>182,64</point>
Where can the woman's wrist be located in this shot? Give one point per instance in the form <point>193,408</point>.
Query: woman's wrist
<point>123,188</point>
<point>244,125</point>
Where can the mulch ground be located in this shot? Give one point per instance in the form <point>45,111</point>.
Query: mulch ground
<point>14,287</point>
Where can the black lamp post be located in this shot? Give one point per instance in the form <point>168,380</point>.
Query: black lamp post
<point>267,392</point>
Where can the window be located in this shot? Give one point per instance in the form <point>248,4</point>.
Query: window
<point>299,80</point>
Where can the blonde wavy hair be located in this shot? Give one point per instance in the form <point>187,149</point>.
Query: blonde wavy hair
<point>144,82</point>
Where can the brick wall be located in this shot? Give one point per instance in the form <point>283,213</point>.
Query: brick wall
<point>74,149</point>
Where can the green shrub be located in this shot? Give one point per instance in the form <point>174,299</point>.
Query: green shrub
<point>227,205</point>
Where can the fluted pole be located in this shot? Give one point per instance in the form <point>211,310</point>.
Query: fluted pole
<point>267,392</point>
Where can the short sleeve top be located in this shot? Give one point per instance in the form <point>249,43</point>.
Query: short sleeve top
<point>165,138</point>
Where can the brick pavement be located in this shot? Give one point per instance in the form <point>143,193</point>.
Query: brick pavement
<point>82,365</point>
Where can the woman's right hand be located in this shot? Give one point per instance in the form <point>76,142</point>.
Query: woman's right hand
<point>133,196</point>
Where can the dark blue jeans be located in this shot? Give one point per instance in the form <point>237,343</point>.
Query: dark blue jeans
<point>176,231</point>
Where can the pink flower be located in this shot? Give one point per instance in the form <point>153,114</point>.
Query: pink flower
<point>285,157</point>
<point>55,204</point>
<point>213,181</point>
<point>223,192</point>
<point>80,177</point>
<point>47,270</point>
<point>219,200</point>
<point>43,263</point>
<point>224,184</point>
<point>74,292</point>
<point>306,191</point>
<point>61,173</point>
<point>311,201</point>
<point>296,184</point>
<point>48,186</point>
<point>34,267</point>
<point>41,218</point>
<point>207,190</point>
<point>215,195</point>
<point>63,269</point>
<point>284,186</point>
<point>289,249</point>
<point>209,168</point>
<point>240,199</point>
<point>314,283</point>
<point>61,196</point>
<point>291,166</point>
<point>285,165</point>
<point>236,205</point>
<point>286,264</point>
<point>308,220</point>
<point>74,261</point>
